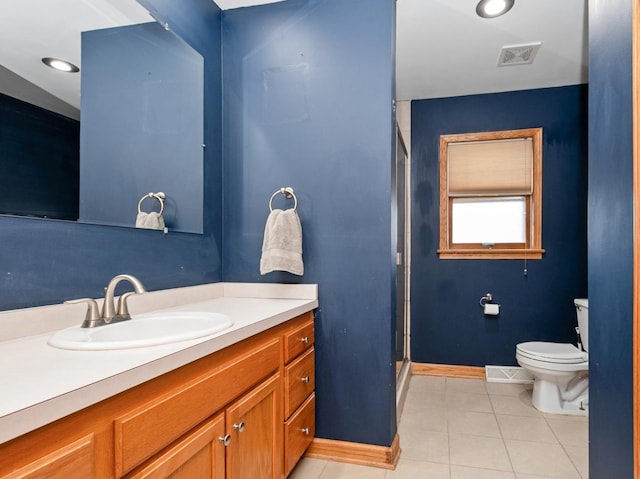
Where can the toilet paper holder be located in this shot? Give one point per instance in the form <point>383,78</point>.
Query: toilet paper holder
<point>486,299</point>
<point>489,308</point>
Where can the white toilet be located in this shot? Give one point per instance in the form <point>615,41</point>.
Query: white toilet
<point>560,370</point>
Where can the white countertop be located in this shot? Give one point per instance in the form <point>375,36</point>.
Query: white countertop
<point>41,384</point>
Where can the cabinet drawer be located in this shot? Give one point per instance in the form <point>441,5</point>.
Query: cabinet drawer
<point>73,461</point>
<point>299,381</point>
<point>154,425</point>
<point>298,433</point>
<point>298,340</point>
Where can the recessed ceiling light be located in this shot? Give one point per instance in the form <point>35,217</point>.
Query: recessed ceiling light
<point>493,8</point>
<point>61,65</point>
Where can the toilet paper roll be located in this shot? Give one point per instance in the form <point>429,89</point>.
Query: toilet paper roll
<point>491,309</point>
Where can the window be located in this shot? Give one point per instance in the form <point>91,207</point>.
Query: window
<point>491,195</point>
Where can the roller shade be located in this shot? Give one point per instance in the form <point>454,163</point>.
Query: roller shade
<point>493,167</point>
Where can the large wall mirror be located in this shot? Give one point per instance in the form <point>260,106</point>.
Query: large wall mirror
<point>88,146</point>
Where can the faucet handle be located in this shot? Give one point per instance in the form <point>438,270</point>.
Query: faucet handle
<point>123,309</point>
<point>92,318</point>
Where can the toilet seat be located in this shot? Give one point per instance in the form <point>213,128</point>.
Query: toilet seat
<point>558,353</point>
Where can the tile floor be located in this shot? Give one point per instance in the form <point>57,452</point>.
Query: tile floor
<point>454,428</point>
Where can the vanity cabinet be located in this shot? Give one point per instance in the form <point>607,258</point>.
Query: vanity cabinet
<point>233,414</point>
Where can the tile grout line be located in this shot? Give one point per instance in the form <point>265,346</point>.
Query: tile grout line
<point>575,466</point>
<point>446,390</point>
<point>562,445</point>
<point>495,417</point>
<point>326,463</point>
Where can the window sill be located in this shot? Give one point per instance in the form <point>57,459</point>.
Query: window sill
<point>493,253</point>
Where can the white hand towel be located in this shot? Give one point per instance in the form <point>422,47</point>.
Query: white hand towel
<point>150,221</point>
<point>282,245</point>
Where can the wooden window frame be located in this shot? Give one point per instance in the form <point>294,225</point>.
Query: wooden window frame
<point>532,248</point>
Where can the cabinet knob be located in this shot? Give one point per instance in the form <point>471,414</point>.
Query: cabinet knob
<point>305,340</point>
<point>225,440</point>
<point>305,431</point>
<point>239,427</point>
<point>305,379</point>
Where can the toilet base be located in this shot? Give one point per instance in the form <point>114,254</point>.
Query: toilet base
<point>562,395</point>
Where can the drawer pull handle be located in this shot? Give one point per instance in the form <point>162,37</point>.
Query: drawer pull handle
<point>225,440</point>
<point>239,427</point>
<point>305,340</point>
<point>305,431</point>
<point>305,379</point>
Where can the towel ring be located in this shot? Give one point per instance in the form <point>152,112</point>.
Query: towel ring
<point>158,196</point>
<point>288,193</point>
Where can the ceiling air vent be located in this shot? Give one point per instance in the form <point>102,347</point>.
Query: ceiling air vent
<point>518,54</point>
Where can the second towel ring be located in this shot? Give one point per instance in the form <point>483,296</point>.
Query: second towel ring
<point>288,193</point>
<point>158,196</point>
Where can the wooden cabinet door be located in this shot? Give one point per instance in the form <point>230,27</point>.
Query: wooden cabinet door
<point>255,425</point>
<point>200,454</point>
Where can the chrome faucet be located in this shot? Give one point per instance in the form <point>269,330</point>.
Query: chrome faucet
<point>109,312</point>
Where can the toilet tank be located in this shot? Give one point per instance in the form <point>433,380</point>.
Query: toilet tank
<point>582,310</point>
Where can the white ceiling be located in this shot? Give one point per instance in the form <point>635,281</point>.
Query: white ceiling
<point>33,29</point>
<point>443,48</point>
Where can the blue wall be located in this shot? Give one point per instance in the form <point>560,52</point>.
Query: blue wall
<point>45,261</point>
<point>447,324</point>
<point>308,104</point>
<point>39,161</point>
<point>142,126</point>
<point>610,240</point>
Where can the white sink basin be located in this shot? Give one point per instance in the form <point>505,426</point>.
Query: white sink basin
<point>142,330</point>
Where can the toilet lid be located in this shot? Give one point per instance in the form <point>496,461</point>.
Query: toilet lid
<point>552,352</point>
